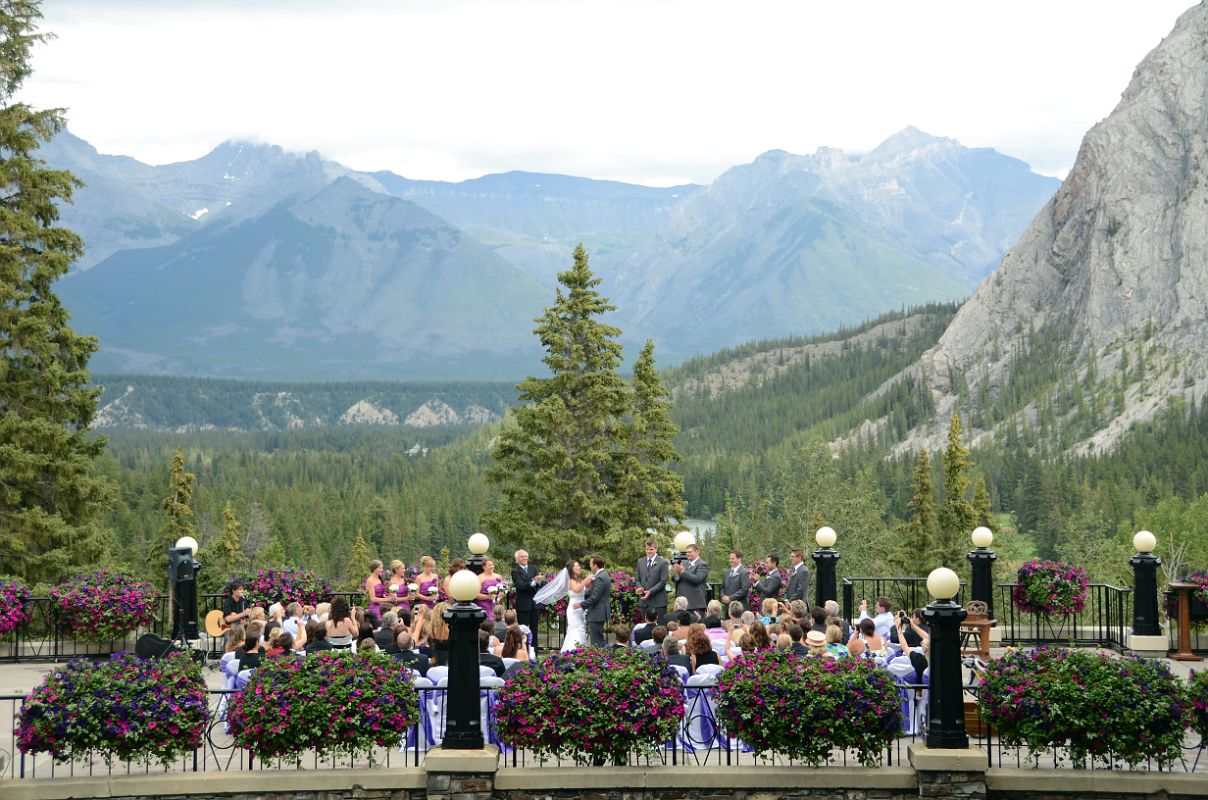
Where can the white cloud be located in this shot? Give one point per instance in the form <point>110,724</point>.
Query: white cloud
<point>658,92</point>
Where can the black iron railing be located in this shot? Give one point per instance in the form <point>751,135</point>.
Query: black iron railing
<point>1105,621</point>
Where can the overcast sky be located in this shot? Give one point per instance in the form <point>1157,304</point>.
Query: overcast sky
<point>651,91</point>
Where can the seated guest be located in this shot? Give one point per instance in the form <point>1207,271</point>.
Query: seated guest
<point>816,642</point>
<point>715,631</point>
<point>797,635</point>
<point>683,620</point>
<point>501,627</point>
<point>620,633</point>
<point>487,658</point>
<point>488,626</point>
<point>832,612</point>
<point>341,627</point>
<point>797,610</point>
<point>405,652</point>
<point>866,640</point>
<point>671,649</point>
<point>783,643</point>
<point>364,635</point>
<point>735,618</point>
<point>658,636</point>
<point>384,636</point>
<point>759,637</point>
<point>515,645</point>
<point>681,604</point>
<point>270,630</point>
<point>510,619</point>
<point>818,615</point>
<point>834,641</point>
<point>235,637</point>
<point>294,621</point>
<point>700,649</point>
<point>282,643</point>
<point>768,611</point>
<point>884,620</point>
<point>316,637</point>
<point>644,630</point>
<point>252,650</point>
<point>713,611</point>
<point>745,644</point>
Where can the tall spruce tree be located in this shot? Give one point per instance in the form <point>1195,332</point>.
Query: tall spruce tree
<point>957,515</point>
<point>916,555</point>
<point>224,559</point>
<point>178,507</point>
<point>357,566</point>
<point>554,460</point>
<point>47,491</point>
<point>648,493</point>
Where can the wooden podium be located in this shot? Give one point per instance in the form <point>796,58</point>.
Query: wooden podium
<point>1183,594</point>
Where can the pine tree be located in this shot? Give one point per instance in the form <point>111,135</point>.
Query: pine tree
<point>982,510</point>
<point>225,558</point>
<point>554,460</point>
<point>649,494</point>
<point>273,555</point>
<point>956,519</point>
<point>357,566</point>
<point>47,495</point>
<point>916,555</point>
<point>178,507</point>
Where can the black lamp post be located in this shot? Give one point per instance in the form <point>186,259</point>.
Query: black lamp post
<point>182,579</point>
<point>826,559</point>
<point>1145,585</point>
<point>946,701</point>
<point>981,562</point>
<point>463,730</point>
<point>478,545</point>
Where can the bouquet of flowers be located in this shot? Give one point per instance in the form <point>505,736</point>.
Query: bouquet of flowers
<point>498,589</point>
<point>127,708</point>
<point>286,585</point>
<point>102,606</point>
<point>804,707</point>
<point>624,598</point>
<point>1050,588</point>
<point>1131,709</point>
<point>14,604</point>
<point>334,702</point>
<point>592,705</point>
<point>759,571</point>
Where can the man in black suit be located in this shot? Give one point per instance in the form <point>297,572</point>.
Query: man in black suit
<point>652,579</point>
<point>486,658</point>
<point>645,630</point>
<point>799,579</point>
<point>736,585</point>
<point>597,603</point>
<point>692,581</point>
<point>797,634</point>
<point>527,579</point>
<point>404,653</point>
<point>770,585</point>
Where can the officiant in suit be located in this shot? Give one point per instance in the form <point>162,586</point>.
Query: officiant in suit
<point>527,580</point>
<point>691,581</point>
<point>799,579</point>
<point>652,580</point>
<point>770,585</point>
<point>736,585</point>
<point>597,603</point>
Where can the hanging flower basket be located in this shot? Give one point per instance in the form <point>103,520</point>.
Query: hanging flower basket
<point>15,598</point>
<point>288,585</point>
<point>103,606</point>
<point>1050,588</point>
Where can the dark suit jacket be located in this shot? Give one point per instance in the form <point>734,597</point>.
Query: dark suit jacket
<point>769,586</point>
<point>692,584</point>
<point>413,660</point>
<point>680,660</point>
<point>737,587</point>
<point>799,585</point>
<point>655,579</point>
<point>597,600</point>
<point>522,579</point>
<point>798,649</point>
<point>492,661</point>
<point>641,634</point>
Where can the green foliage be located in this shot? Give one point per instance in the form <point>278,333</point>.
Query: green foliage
<point>957,515</point>
<point>916,554</point>
<point>358,564</point>
<point>804,707</point>
<point>1197,699</point>
<point>47,496</point>
<point>329,703</point>
<point>592,705</point>
<point>225,559</point>
<point>127,708</point>
<point>178,506</point>
<point>1094,705</point>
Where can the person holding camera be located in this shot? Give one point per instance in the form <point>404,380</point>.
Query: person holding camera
<point>915,641</point>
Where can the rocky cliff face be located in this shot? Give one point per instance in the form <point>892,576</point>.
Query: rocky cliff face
<point>1116,262</point>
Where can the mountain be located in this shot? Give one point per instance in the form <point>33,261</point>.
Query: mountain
<point>794,244</point>
<point>341,282</point>
<point>1096,319</point>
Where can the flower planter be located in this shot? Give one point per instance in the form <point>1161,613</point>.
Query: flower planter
<point>974,724</point>
<point>1198,610</point>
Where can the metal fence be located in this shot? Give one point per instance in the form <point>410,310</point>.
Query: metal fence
<point>1105,621</point>
<point>905,594</point>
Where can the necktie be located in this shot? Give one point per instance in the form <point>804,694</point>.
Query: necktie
<point>650,563</point>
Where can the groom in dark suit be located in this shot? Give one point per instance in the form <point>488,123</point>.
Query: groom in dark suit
<point>652,580</point>
<point>799,579</point>
<point>597,603</point>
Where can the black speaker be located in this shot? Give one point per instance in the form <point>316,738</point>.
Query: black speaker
<point>151,646</point>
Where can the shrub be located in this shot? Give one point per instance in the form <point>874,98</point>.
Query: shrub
<point>105,605</point>
<point>126,708</point>
<point>803,707</point>
<point>759,571</point>
<point>286,585</point>
<point>592,705</point>
<point>14,604</point>
<point>1090,703</point>
<point>1197,698</point>
<point>1050,588</point>
<point>331,703</point>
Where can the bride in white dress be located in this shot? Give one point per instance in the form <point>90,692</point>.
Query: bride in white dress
<point>573,583</point>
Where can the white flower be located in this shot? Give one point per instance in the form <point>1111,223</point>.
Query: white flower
<point>412,587</point>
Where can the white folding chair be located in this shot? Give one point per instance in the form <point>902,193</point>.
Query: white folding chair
<point>683,672</point>
<point>507,663</point>
<point>485,672</point>
<point>710,669</point>
<point>437,674</point>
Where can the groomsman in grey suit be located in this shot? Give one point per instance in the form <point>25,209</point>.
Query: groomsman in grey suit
<point>770,585</point>
<point>691,581</point>
<point>737,583</point>
<point>597,603</point>
<point>652,580</point>
<point>799,579</point>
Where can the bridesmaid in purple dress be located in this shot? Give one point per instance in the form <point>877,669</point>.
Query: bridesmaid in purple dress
<point>489,578</point>
<point>427,583</point>
<point>397,587</point>
<point>374,589</point>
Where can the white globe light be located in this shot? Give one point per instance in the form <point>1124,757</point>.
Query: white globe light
<point>684,540</point>
<point>943,583</point>
<point>1145,542</point>
<point>479,543</point>
<point>464,585</point>
<point>982,537</point>
<point>189,542</point>
<point>826,536</point>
